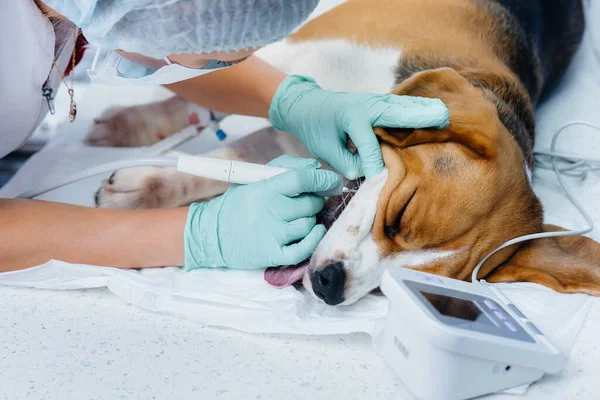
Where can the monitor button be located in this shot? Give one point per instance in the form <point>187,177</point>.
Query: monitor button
<point>516,311</point>
<point>534,328</point>
<point>510,326</point>
<point>490,305</point>
<point>501,315</point>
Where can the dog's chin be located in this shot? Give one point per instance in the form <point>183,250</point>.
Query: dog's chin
<point>281,277</point>
<point>308,284</point>
<point>362,267</point>
<point>348,244</point>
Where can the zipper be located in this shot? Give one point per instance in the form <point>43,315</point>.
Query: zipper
<point>54,76</point>
<point>48,94</point>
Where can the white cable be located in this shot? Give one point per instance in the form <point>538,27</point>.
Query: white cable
<point>151,158</point>
<point>102,169</point>
<point>576,166</point>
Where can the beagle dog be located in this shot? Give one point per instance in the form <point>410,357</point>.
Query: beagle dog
<point>447,197</point>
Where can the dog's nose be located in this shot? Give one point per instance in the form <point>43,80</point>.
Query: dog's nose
<point>328,283</point>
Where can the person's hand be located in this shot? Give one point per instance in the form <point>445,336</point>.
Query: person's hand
<point>263,224</point>
<point>321,119</point>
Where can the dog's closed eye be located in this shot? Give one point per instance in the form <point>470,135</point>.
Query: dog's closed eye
<point>392,230</point>
<point>395,227</point>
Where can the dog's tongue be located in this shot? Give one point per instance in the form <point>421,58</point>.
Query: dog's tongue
<point>283,277</point>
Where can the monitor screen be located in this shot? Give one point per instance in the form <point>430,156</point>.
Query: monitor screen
<point>453,307</point>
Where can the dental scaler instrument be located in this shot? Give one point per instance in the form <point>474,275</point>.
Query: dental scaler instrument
<point>230,171</point>
<point>239,172</point>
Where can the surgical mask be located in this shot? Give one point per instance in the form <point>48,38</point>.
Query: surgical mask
<point>117,70</point>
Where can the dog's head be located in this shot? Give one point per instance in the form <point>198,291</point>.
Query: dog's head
<point>447,198</point>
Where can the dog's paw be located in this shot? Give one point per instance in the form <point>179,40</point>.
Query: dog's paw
<point>155,187</point>
<point>145,124</point>
<point>142,187</point>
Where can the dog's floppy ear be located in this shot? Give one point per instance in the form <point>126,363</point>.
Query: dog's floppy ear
<point>567,264</point>
<point>474,120</point>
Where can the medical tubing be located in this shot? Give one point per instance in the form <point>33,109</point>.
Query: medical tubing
<point>102,169</point>
<point>582,164</point>
<point>173,141</point>
<point>151,158</point>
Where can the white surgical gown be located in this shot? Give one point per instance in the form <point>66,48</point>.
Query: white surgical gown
<point>27,43</point>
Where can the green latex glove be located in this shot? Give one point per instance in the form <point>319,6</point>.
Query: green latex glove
<point>321,119</point>
<point>256,225</point>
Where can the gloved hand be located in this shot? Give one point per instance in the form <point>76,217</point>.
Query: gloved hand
<point>321,119</point>
<point>252,226</point>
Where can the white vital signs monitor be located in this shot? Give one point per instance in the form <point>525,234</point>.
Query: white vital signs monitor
<point>452,340</point>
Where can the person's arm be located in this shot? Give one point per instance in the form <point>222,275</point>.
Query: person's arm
<point>322,120</point>
<point>246,88</point>
<point>33,232</point>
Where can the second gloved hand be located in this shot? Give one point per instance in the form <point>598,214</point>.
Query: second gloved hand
<point>321,119</point>
<point>256,225</point>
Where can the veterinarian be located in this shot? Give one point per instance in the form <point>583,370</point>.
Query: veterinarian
<point>192,47</point>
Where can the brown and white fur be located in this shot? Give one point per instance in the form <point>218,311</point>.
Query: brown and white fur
<point>449,197</point>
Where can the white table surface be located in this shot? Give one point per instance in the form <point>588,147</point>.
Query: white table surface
<point>90,345</point>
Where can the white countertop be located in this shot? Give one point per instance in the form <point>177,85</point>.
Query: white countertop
<point>90,345</point>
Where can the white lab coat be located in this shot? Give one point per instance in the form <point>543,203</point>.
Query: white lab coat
<point>27,43</point>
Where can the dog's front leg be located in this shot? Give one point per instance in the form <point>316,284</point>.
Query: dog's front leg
<point>164,187</point>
